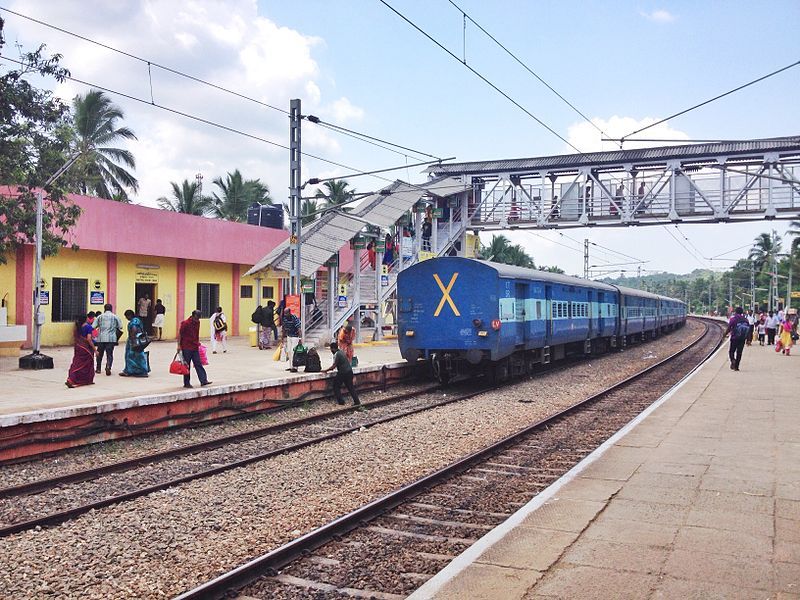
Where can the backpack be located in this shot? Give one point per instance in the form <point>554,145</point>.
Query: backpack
<point>313,362</point>
<point>741,330</point>
<point>258,315</point>
<point>300,356</point>
<point>219,324</point>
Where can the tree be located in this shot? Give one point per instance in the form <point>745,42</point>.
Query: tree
<point>517,256</point>
<point>337,193</point>
<point>236,196</point>
<point>552,269</point>
<point>497,249</point>
<point>187,198</point>
<point>765,247</point>
<point>34,144</point>
<point>95,125</point>
<point>794,231</point>
<point>306,211</point>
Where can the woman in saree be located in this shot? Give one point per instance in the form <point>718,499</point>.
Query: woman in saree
<point>135,360</point>
<point>81,371</point>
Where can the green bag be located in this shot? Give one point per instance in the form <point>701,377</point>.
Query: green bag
<point>354,361</point>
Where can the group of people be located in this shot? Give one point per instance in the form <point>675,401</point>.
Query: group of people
<point>390,247</point>
<point>96,335</point>
<point>769,328</point>
<point>151,315</point>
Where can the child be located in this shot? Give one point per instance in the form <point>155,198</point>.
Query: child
<point>762,330</point>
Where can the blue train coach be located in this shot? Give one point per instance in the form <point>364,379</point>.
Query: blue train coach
<point>465,315</point>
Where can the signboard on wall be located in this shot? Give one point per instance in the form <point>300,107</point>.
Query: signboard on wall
<point>146,276</point>
<point>44,297</point>
<point>97,297</point>
<point>342,302</point>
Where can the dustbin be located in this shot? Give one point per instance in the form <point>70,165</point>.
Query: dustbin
<point>253,332</point>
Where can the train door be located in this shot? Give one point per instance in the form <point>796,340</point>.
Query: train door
<point>590,313</point>
<point>601,299</point>
<point>520,290</point>
<point>548,314</point>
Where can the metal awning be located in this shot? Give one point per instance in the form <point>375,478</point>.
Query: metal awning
<point>325,237</point>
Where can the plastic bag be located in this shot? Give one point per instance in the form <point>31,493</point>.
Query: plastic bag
<point>203,351</point>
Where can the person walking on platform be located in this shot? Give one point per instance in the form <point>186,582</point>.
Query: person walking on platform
<point>107,325</point>
<point>772,326</point>
<point>762,329</point>
<point>751,320</point>
<point>291,333</point>
<point>788,332</point>
<point>344,375</point>
<point>738,329</point>
<point>219,330</point>
<point>189,347</point>
<point>81,371</point>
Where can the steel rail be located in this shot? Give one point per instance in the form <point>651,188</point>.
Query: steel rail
<point>271,562</point>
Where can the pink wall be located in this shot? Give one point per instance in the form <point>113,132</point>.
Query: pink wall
<point>24,298</point>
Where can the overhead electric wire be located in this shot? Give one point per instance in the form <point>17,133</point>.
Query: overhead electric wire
<point>700,252</point>
<point>356,172</point>
<point>691,108</point>
<point>480,76</point>
<point>180,73</point>
<point>682,245</point>
<point>526,67</point>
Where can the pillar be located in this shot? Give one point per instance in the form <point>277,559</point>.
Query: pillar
<point>111,278</point>
<point>235,279</point>
<point>180,301</point>
<point>24,303</point>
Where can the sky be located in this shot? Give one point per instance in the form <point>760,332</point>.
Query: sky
<point>359,65</point>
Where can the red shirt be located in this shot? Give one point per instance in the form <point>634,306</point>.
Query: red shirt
<point>189,334</point>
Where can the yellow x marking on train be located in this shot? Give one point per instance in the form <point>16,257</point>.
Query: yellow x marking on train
<point>446,295</point>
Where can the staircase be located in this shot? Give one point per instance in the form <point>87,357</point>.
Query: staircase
<point>319,332</point>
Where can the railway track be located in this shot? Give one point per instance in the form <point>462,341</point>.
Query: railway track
<point>391,546</point>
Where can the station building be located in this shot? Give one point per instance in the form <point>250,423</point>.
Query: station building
<point>126,251</point>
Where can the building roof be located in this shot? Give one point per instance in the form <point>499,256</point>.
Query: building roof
<point>110,226</point>
<point>566,162</point>
<point>327,235</point>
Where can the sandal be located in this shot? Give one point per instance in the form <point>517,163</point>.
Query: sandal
<point>124,374</point>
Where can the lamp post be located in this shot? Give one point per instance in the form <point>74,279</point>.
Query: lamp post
<point>36,360</point>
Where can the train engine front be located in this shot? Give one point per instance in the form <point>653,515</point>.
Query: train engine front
<point>448,314</point>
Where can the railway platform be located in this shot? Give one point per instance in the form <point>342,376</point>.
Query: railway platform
<point>699,497</point>
<point>35,404</point>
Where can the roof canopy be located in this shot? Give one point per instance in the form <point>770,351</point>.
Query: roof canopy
<point>325,237</point>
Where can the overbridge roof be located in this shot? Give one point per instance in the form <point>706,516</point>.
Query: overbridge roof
<point>325,237</point>
<point>567,162</point>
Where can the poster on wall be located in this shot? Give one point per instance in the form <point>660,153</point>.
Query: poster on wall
<point>97,298</point>
<point>44,297</point>
<point>293,302</point>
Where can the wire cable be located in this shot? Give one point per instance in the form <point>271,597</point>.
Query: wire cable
<point>480,76</point>
<point>526,67</point>
<point>194,78</point>
<point>691,108</point>
<point>221,126</point>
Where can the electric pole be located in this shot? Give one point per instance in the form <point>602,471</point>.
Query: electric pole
<point>295,221</point>
<point>586,258</point>
<point>753,286</point>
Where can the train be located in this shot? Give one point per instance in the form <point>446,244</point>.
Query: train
<point>468,316</point>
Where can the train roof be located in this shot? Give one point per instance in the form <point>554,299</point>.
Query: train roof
<point>504,270</point>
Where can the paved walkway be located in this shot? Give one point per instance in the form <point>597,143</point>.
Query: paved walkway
<point>24,391</point>
<point>701,500</point>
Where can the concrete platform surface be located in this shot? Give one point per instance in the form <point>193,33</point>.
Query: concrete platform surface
<point>29,391</point>
<point>699,499</point>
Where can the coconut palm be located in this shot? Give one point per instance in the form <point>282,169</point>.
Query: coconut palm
<point>794,231</point>
<point>516,255</point>
<point>102,169</point>
<point>336,193</point>
<point>306,211</point>
<point>236,196</point>
<point>187,198</point>
<point>497,249</point>
<point>765,247</point>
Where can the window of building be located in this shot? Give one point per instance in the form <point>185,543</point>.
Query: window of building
<point>268,292</point>
<point>207,299</point>
<point>69,299</point>
<point>246,291</point>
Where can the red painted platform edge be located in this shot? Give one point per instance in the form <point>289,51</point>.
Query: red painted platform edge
<point>25,440</point>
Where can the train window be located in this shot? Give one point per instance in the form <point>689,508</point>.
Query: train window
<point>538,309</point>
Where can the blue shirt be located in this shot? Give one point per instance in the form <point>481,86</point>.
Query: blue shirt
<point>291,326</point>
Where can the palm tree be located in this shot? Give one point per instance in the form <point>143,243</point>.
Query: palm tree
<point>337,193</point>
<point>307,209</point>
<point>794,231</point>
<point>236,196</point>
<point>516,255</point>
<point>497,249</point>
<point>765,247</point>
<point>187,198</point>
<point>95,125</point>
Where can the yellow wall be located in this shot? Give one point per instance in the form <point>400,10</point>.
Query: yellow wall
<point>248,305</point>
<point>8,285</point>
<point>166,287</point>
<point>85,264</point>
<point>206,272</point>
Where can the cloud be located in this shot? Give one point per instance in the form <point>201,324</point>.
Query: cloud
<point>658,16</point>
<point>228,43</point>
<point>587,138</point>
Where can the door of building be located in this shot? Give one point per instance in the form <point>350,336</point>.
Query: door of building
<point>146,290</point>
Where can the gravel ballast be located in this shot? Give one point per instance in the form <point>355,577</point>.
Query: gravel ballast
<point>162,544</point>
